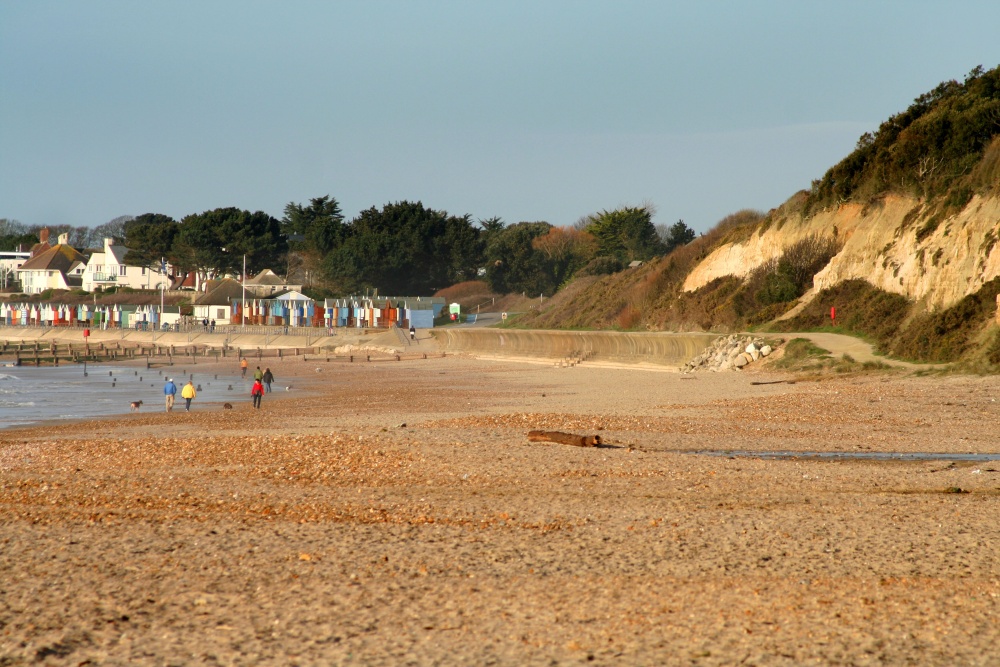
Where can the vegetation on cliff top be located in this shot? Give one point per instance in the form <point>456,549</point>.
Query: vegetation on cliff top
<point>944,145</point>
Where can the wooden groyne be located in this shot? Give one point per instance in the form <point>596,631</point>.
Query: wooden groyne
<point>37,353</point>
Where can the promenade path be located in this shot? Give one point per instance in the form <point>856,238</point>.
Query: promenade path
<point>839,344</point>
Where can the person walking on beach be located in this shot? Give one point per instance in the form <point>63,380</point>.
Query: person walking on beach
<point>257,392</point>
<point>188,394</point>
<point>268,379</point>
<point>243,367</point>
<point>258,375</point>
<point>413,333</point>
<point>170,391</point>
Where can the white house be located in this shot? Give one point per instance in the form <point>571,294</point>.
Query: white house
<point>59,267</point>
<point>107,268</point>
<point>10,262</point>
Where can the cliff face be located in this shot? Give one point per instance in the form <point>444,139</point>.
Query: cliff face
<point>880,245</point>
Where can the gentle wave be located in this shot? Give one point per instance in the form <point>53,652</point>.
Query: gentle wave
<point>4,377</point>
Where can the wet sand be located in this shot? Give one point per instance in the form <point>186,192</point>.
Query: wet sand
<point>395,513</point>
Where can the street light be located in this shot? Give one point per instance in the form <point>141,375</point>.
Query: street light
<point>159,320</point>
<point>243,284</point>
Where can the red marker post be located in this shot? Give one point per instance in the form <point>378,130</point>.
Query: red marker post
<point>833,314</point>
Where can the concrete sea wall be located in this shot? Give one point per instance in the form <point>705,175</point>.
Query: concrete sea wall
<point>668,349</point>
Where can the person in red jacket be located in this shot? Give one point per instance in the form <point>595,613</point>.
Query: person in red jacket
<point>257,392</point>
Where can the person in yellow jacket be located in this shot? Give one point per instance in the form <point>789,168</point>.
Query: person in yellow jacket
<point>188,393</point>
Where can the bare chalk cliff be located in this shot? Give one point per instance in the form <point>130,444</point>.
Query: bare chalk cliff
<point>899,245</point>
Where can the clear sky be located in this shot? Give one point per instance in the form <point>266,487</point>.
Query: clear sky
<point>527,110</point>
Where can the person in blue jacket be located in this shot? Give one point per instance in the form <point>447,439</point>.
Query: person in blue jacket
<point>170,391</point>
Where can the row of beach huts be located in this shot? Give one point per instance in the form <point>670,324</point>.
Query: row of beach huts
<point>298,311</point>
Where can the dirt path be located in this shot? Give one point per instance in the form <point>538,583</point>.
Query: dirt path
<point>838,345</point>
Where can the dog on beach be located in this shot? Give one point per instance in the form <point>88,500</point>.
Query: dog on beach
<point>227,406</point>
<point>135,406</point>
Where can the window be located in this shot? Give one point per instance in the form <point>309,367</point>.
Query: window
<point>121,269</point>
<point>221,315</point>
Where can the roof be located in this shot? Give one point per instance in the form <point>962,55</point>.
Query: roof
<point>221,293</point>
<point>117,252</point>
<point>188,280</point>
<point>57,258</point>
<point>265,277</point>
<point>39,248</point>
<point>292,295</point>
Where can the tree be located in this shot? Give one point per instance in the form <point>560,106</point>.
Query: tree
<point>150,238</point>
<point>675,236</point>
<point>405,248</point>
<point>313,231</point>
<point>113,229</point>
<point>215,242</point>
<point>491,226</point>
<point>625,233</point>
<point>565,250</point>
<point>76,236</point>
<point>316,228</point>
<point>513,264</point>
<point>14,233</point>
<point>257,236</point>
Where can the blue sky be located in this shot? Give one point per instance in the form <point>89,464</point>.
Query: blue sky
<point>541,110</point>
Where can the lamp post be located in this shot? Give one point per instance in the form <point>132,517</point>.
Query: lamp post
<point>159,319</point>
<point>243,310</point>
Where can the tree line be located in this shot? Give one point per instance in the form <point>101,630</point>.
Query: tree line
<point>14,233</point>
<point>402,248</point>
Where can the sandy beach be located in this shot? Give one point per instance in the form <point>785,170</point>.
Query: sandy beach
<point>395,513</point>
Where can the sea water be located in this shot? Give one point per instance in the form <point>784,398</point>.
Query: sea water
<point>30,394</point>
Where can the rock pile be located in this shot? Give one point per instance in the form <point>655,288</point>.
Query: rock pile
<point>728,352</point>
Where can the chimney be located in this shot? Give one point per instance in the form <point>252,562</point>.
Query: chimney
<point>43,235</point>
<point>64,238</point>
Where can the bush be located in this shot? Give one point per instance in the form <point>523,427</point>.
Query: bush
<point>783,279</point>
<point>862,309</point>
<point>993,351</point>
<point>602,266</point>
<point>778,287</point>
<point>946,335</point>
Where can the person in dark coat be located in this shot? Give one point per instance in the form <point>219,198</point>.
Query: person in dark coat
<point>267,379</point>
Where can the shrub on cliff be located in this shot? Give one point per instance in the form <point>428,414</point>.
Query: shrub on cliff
<point>862,309</point>
<point>931,149</point>
<point>948,334</point>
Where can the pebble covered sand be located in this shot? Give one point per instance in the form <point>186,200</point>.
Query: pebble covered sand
<point>395,513</point>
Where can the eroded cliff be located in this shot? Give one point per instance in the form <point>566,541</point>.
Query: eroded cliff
<point>899,245</point>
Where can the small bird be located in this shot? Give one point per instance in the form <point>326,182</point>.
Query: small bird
<point>288,388</point>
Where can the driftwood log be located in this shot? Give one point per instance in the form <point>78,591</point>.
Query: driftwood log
<point>565,438</point>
